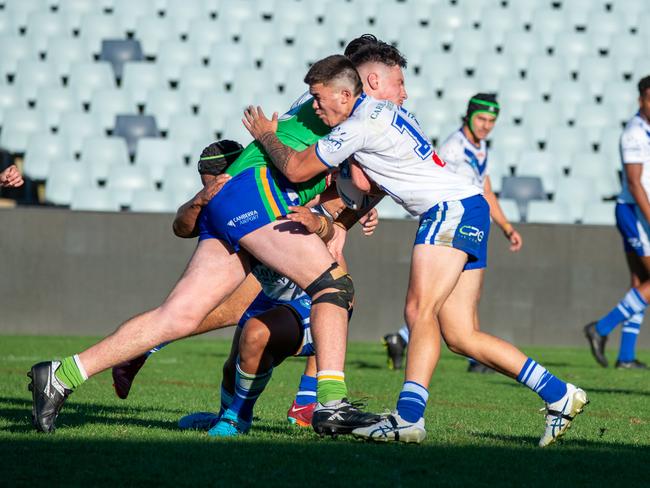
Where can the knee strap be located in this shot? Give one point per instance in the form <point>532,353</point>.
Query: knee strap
<point>334,277</point>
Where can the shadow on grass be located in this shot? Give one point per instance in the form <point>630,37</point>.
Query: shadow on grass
<point>616,391</point>
<point>17,412</point>
<point>249,461</point>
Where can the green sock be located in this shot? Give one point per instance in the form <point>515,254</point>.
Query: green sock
<point>69,373</point>
<point>331,386</point>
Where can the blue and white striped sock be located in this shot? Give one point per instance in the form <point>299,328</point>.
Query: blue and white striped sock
<point>629,334</point>
<point>547,386</point>
<point>306,390</point>
<point>248,388</point>
<point>412,401</point>
<point>404,333</point>
<point>632,303</point>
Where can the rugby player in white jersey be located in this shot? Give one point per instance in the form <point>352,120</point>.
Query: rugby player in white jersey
<point>466,153</point>
<point>386,143</point>
<point>632,217</point>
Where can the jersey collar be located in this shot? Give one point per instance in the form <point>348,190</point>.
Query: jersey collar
<point>359,101</point>
<point>462,133</point>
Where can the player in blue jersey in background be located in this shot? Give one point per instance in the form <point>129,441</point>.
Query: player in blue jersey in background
<point>632,217</point>
<point>466,153</point>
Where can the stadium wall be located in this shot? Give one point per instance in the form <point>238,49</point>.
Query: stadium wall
<point>83,273</point>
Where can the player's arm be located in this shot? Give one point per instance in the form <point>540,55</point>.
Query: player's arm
<point>499,217</point>
<point>187,215</point>
<point>301,166</point>
<point>297,166</point>
<point>633,173</point>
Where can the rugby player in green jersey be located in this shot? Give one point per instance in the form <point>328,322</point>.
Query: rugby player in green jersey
<point>242,216</point>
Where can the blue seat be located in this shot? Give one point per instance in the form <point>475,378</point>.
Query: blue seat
<point>119,51</point>
<point>133,127</point>
<point>522,189</point>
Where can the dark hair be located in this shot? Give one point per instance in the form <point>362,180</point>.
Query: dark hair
<point>216,157</point>
<point>334,68</point>
<point>355,44</point>
<point>380,52</point>
<point>644,84</point>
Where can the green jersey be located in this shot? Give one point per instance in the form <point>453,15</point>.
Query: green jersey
<point>299,128</point>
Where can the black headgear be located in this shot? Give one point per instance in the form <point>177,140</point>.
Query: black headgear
<point>481,103</point>
<point>216,157</point>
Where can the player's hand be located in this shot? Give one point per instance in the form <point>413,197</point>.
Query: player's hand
<point>515,241</point>
<point>256,122</point>
<point>337,242</point>
<point>11,177</point>
<point>306,217</point>
<point>210,189</point>
<point>369,222</point>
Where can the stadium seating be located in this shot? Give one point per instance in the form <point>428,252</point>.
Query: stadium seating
<point>119,51</point>
<point>40,151</point>
<point>99,153</point>
<point>565,73</point>
<point>93,199</point>
<point>522,189</point>
<point>64,176</point>
<point>133,127</point>
<point>540,212</point>
<point>599,213</point>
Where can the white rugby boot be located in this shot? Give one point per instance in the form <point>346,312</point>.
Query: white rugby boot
<point>560,414</point>
<point>394,428</point>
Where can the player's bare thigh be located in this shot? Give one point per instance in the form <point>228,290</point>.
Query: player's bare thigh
<point>434,273</point>
<point>212,274</point>
<point>459,314</point>
<point>230,311</point>
<point>287,248</point>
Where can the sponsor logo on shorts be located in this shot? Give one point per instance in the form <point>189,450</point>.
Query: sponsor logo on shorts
<point>472,232</point>
<point>305,302</point>
<point>244,218</point>
<point>634,242</point>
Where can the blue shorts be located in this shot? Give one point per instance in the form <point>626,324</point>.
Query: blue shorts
<point>461,224</point>
<point>252,199</point>
<point>301,307</point>
<point>633,228</point>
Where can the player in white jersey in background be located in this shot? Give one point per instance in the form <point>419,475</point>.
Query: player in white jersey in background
<point>465,152</point>
<point>632,217</point>
<point>387,146</point>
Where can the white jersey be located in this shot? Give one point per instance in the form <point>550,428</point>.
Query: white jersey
<point>464,158</point>
<point>389,145</point>
<point>635,149</point>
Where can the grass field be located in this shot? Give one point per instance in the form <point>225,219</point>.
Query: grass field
<point>482,430</point>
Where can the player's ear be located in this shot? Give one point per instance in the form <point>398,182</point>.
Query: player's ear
<point>373,81</point>
<point>346,95</point>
